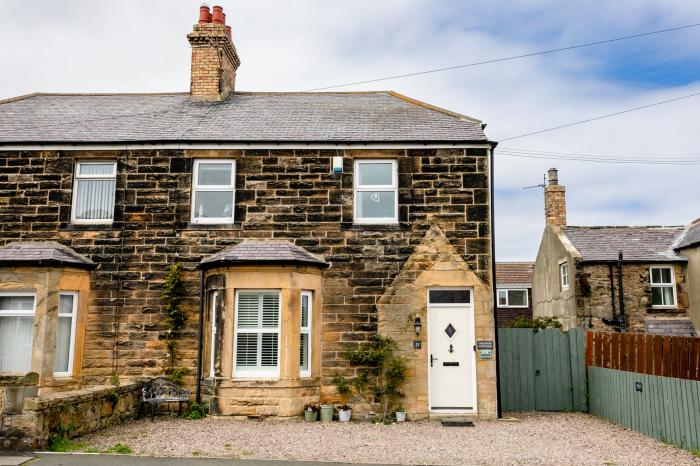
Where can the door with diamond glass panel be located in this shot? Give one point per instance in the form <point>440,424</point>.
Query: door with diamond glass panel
<point>451,355</point>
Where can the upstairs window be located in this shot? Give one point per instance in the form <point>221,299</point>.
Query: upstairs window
<point>663,287</point>
<point>512,298</point>
<point>376,192</point>
<point>16,331</point>
<point>65,334</point>
<point>213,191</point>
<point>93,192</point>
<point>257,333</point>
<point>305,334</point>
<point>564,275</point>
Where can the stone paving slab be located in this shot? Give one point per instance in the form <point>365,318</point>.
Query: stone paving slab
<point>14,460</point>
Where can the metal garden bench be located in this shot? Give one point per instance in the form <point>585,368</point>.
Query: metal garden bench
<point>161,390</point>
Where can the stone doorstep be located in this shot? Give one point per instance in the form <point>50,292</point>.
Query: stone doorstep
<point>457,421</point>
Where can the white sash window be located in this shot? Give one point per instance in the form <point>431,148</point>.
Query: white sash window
<point>93,192</point>
<point>376,192</point>
<point>65,334</point>
<point>257,334</point>
<point>305,334</point>
<point>213,191</point>
<point>16,330</point>
<point>663,287</point>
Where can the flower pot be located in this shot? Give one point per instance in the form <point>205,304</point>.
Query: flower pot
<point>327,413</point>
<point>344,415</point>
<point>400,416</point>
<point>310,416</point>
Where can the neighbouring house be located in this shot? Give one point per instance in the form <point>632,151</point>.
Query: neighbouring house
<point>514,291</point>
<point>640,278</point>
<point>305,223</point>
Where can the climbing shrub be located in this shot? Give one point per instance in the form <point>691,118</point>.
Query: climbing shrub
<point>174,291</point>
<point>537,323</point>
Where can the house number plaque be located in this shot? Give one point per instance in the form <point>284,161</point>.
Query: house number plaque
<point>485,349</point>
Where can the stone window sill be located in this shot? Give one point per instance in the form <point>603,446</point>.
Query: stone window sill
<point>89,227</point>
<point>402,226</point>
<point>212,226</point>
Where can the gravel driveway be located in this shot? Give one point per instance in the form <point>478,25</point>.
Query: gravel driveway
<point>537,438</point>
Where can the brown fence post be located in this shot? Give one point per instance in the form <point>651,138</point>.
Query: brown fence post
<point>589,348</point>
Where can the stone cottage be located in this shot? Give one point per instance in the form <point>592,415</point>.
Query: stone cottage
<point>637,279</point>
<point>306,223</point>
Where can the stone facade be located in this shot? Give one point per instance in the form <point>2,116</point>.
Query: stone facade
<point>554,200</point>
<point>594,299</point>
<point>281,194</point>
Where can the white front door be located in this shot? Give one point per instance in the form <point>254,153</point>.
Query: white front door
<point>451,355</point>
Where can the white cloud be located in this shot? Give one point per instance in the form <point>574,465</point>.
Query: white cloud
<point>136,46</point>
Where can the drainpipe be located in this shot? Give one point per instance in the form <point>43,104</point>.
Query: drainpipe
<point>200,335</point>
<point>623,326</point>
<point>493,283</point>
<point>612,292</point>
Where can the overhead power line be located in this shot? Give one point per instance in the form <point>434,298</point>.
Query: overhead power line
<point>598,158</point>
<point>514,57</point>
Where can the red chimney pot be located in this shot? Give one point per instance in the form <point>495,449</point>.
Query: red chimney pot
<point>228,31</point>
<point>218,16</point>
<point>204,14</point>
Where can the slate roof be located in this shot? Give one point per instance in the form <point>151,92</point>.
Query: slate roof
<point>263,252</point>
<point>42,253</point>
<point>690,237</point>
<point>245,117</point>
<point>642,244</point>
<point>514,273</point>
<point>673,327</point>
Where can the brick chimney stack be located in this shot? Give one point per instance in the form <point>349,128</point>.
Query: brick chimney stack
<point>554,200</point>
<point>214,57</point>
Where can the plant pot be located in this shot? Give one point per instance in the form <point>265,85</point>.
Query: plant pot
<point>400,416</point>
<point>344,415</point>
<point>327,413</point>
<point>310,416</point>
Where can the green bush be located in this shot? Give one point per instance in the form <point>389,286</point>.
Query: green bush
<point>120,449</point>
<point>536,323</point>
<point>197,411</point>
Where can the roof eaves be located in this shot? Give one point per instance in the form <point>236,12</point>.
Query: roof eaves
<point>47,263</point>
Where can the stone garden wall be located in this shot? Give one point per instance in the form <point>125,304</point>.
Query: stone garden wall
<point>26,421</point>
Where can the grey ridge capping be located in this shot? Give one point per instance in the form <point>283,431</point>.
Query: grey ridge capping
<point>640,244</point>
<point>690,237</point>
<point>673,327</point>
<point>42,253</point>
<point>263,253</point>
<point>244,117</point>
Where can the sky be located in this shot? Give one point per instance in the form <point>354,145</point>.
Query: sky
<point>140,46</point>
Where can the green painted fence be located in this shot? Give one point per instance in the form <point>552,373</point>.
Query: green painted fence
<point>666,408</point>
<point>542,370</point>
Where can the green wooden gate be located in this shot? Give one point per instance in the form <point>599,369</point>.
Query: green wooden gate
<point>542,370</point>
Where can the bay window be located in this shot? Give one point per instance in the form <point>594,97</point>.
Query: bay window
<point>376,192</point>
<point>65,334</point>
<point>663,287</point>
<point>257,334</point>
<point>213,191</point>
<point>93,192</point>
<point>16,331</point>
<point>305,334</point>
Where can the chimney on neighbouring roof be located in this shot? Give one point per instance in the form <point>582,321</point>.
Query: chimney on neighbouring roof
<point>554,200</point>
<point>214,57</point>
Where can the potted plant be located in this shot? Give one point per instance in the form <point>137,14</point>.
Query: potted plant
<point>345,391</point>
<point>327,413</point>
<point>400,414</point>
<point>311,412</point>
<point>344,413</point>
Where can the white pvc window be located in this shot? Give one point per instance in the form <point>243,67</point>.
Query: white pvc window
<point>512,298</point>
<point>376,192</point>
<point>65,334</point>
<point>663,287</point>
<point>16,331</point>
<point>257,334</point>
<point>93,192</point>
<point>213,303</point>
<point>564,275</point>
<point>305,334</point>
<point>213,191</point>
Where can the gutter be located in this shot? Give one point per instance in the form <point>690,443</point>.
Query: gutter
<point>494,290</point>
<point>47,263</point>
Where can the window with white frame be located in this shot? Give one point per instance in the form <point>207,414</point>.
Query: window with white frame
<point>93,192</point>
<point>305,334</point>
<point>65,334</point>
<point>512,298</point>
<point>376,191</point>
<point>564,275</point>
<point>213,310</point>
<point>257,334</point>
<point>16,331</point>
<point>663,287</point>
<point>213,191</point>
